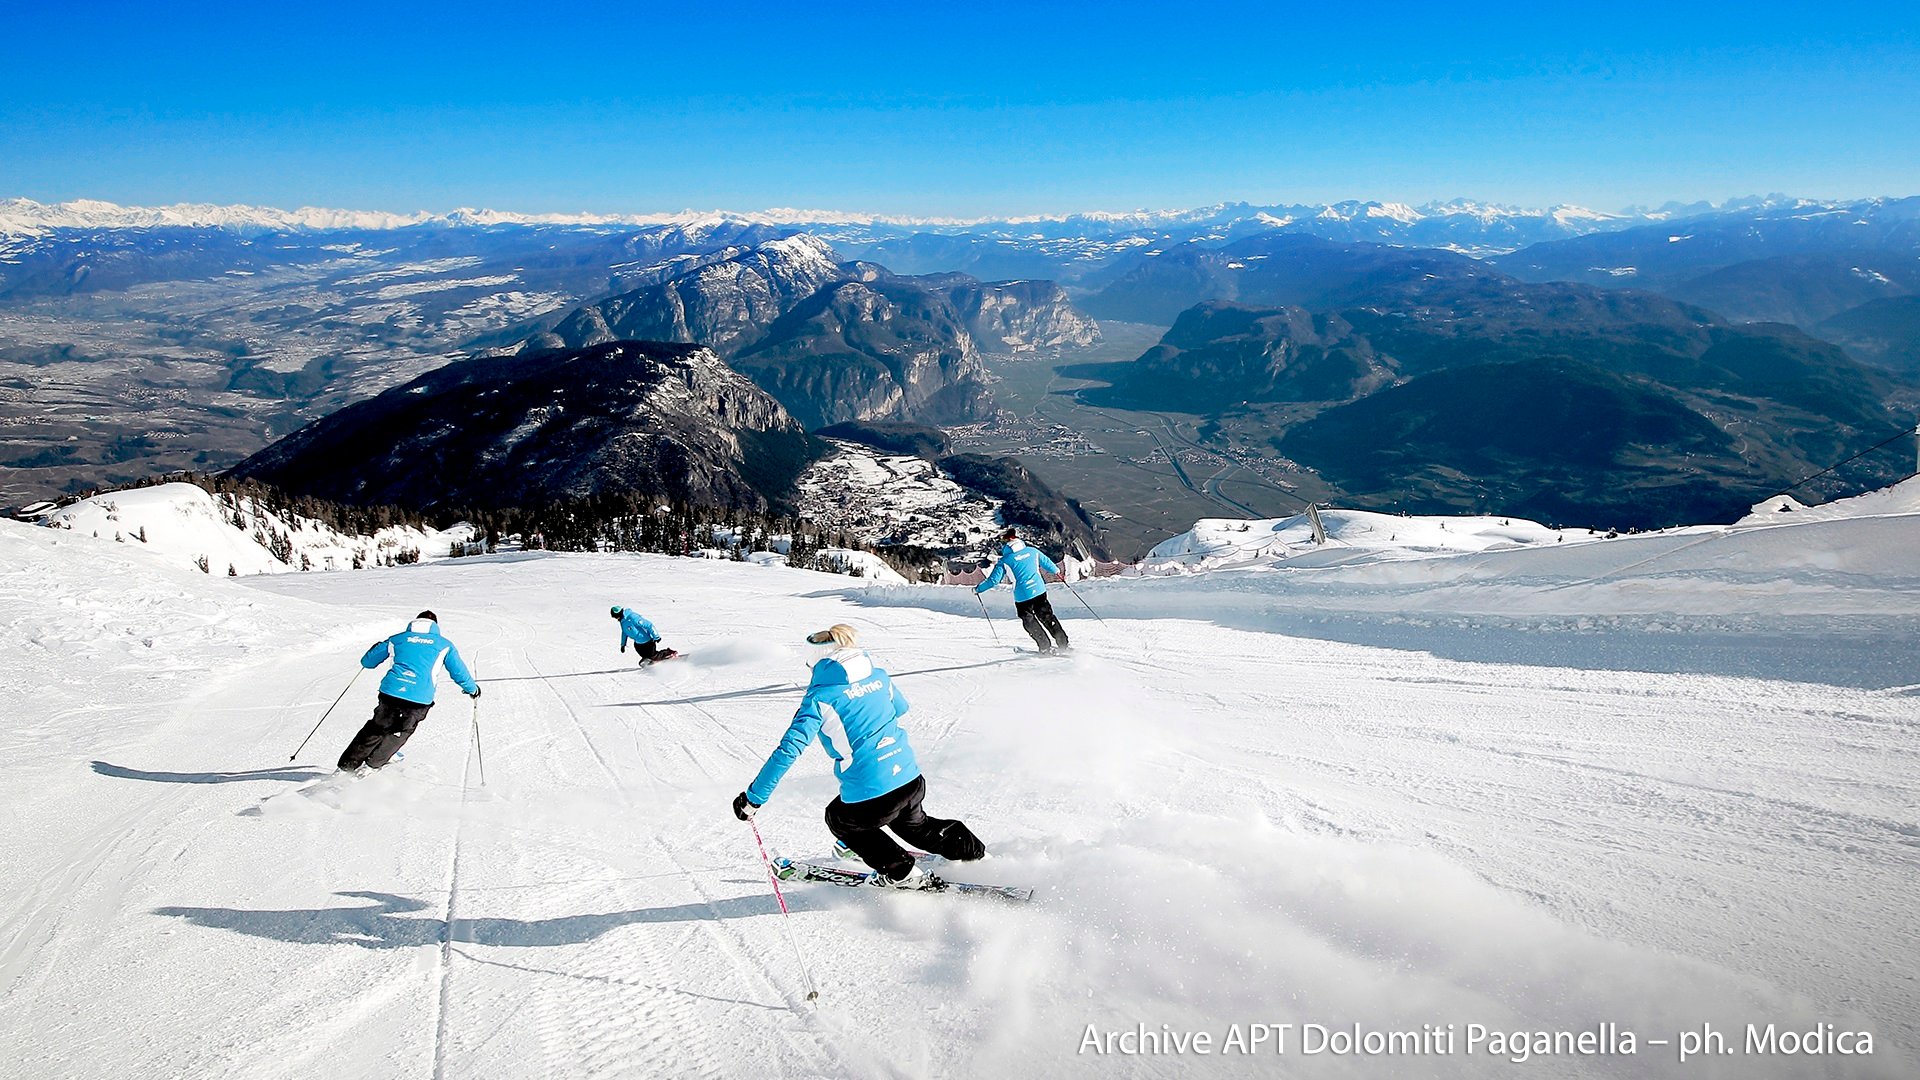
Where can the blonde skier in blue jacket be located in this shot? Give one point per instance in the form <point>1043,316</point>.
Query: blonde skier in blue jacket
<point>854,710</point>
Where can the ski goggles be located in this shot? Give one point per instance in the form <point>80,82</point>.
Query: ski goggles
<point>820,637</point>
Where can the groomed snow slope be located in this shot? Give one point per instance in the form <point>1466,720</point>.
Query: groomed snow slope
<point>1536,789</point>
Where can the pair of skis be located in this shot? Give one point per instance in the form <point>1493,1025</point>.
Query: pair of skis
<point>802,870</point>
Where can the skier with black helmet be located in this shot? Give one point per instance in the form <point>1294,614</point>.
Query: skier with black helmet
<point>1027,565</point>
<point>406,693</point>
<point>646,640</point>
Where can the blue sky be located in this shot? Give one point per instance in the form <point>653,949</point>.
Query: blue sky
<point>953,109</point>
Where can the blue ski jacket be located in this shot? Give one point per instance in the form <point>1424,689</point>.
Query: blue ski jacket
<point>635,629</point>
<point>416,652</point>
<point>1026,565</point>
<point>854,709</point>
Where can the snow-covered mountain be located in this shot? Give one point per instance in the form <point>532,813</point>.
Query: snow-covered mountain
<point>1460,224</point>
<point>1354,537</point>
<point>1657,782</point>
<point>1777,260</point>
<point>725,302</point>
<point>26,217</point>
<point>238,534</point>
<point>30,218</point>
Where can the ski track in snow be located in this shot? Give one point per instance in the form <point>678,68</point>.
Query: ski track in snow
<point>1223,824</point>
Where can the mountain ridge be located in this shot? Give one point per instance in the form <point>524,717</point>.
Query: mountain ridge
<point>538,428</point>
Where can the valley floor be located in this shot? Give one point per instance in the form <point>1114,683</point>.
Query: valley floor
<point>1225,826</point>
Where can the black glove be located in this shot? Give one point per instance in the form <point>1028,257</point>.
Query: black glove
<point>623,644</point>
<point>476,694</point>
<point>743,807</point>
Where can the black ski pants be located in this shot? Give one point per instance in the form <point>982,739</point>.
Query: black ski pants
<point>1037,616</point>
<point>382,737</point>
<point>860,826</point>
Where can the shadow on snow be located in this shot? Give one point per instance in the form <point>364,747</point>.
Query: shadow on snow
<point>121,772</point>
<point>385,924</point>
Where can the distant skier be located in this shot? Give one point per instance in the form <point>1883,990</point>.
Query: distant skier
<point>646,640</point>
<point>406,693</point>
<point>1027,564</point>
<point>851,700</point>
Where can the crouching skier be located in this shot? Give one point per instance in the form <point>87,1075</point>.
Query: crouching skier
<point>646,640</point>
<point>406,693</point>
<point>851,701</point>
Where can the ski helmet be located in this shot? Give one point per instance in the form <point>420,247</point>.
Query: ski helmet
<point>428,615</point>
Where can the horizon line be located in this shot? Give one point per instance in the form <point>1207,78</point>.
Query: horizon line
<point>25,213</point>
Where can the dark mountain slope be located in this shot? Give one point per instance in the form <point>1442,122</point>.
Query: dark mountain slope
<point>1884,333</point>
<point>1555,439</point>
<point>533,429</point>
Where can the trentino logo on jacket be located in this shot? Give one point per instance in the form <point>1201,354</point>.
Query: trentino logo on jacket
<point>854,709</point>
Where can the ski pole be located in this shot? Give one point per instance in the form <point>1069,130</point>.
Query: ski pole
<point>324,715</point>
<point>786,918</point>
<point>478,753</point>
<point>1083,602</point>
<point>989,615</point>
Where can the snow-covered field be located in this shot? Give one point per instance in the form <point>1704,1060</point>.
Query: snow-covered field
<point>1658,782</point>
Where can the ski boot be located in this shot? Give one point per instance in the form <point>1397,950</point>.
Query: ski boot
<point>916,879</point>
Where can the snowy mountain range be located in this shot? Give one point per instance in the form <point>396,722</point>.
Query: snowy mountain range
<point>136,342</point>
<point>26,217</point>
<point>20,216</point>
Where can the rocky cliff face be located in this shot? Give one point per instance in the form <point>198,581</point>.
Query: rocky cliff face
<point>1024,316</point>
<point>724,303</point>
<point>878,350</point>
<point>1005,316</point>
<point>535,428</point>
<point>838,342</point>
